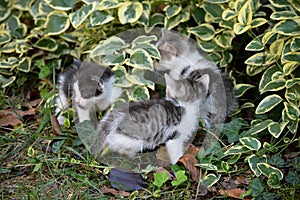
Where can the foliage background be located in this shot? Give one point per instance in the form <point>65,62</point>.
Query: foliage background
<point>256,42</point>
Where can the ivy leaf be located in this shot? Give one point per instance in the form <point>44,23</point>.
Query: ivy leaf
<point>140,59</point>
<point>100,18</point>
<point>130,12</point>
<point>256,186</point>
<point>273,180</point>
<point>78,16</point>
<point>242,88</point>
<point>172,10</point>
<point>267,169</point>
<point>108,47</point>
<point>160,178</point>
<point>180,178</point>
<point>205,32</point>
<point>267,76</point>
<point>138,93</point>
<point>274,85</point>
<point>268,103</point>
<point>256,44</point>
<point>293,178</point>
<point>231,130</point>
<point>292,111</point>
<point>253,160</point>
<point>288,27</point>
<point>6,81</point>
<point>5,36</point>
<point>210,179</point>
<point>61,4</point>
<point>276,128</point>
<point>57,22</point>
<point>237,149</point>
<point>245,14</point>
<point>251,143</point>
<point>259,127</point>
<point>25,64</point>
<point>150,48</point>
<point>47,44</point>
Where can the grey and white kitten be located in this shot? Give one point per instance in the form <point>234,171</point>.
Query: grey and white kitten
<point>91,88</point>
<point>182,58</point>
<point>144,125</point>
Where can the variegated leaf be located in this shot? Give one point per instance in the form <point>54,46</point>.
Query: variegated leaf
<point>268,103</point>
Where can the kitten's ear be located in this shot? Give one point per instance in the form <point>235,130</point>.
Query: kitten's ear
<point>204,79</point>
<point>77,63</point>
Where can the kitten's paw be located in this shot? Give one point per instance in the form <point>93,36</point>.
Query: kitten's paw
<point>61,120</point>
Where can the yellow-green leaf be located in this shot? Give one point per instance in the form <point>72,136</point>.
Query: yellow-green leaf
<point>240,28</point>
<point>100,18</point>
<point>283,15</point>
<point>46,43</point>
<point>61,4</point>
<point>292,82</point>
<point>292,111</point>
<point>245,14</point>
<point>268,103</point>
<point>130,12</point>
<point>274,85</point>
<point>276,48</point>
<point>242,88</point>
<point>4,36</point>
<point>108,46</point>
<point>108,4</point>
<point>172,10</point>
<point>256,44</point>
<point>260,59</point>
<point>24,64</point>
<point>267,169</point>
<point>289,67</point>
<point>6,81</point>
<point>288,27</point>
<point>267,76</point>
<point>258,22</point>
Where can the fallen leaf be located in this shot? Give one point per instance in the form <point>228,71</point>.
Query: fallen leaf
<point>118,193</point>
<point>56,126</point>
<point>189,161</point>
<point>242,180</point>
<point>235,193</point>
<point>32,104</point>
<point>11,117</point>
<point>193,150</point>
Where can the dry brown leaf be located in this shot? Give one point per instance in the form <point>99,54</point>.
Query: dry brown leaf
<point>56,126</point>
<point>234,193</point>
<point>242,180</point>
<point>11,117</point>
<point>189,161</point>
<point>106,190</point>
<point>32,104</point>
<point>193,150</point>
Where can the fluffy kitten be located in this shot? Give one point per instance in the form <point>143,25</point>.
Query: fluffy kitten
<point>91,87</point>
<point>144,125</point>
<point>183,59</point>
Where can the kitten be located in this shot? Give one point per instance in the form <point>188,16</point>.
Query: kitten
<point>183,59</point>
<point>91,87</point>
<point>144,125</point>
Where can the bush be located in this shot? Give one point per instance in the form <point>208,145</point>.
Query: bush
<point>257,43</point>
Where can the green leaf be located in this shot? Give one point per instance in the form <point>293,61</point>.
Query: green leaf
<point>293,178</point>
<point>258,22</point>
<point>144,39</point>
<point>239,28</point>
<point>292,82</point>
<point>260,59</point>
<point>241,88</point>
<point>288,27</point>
<point>295,44</point>
<point>231,130</point>
<point>138,93</point>
<point>30,151</point>
<point>205,32</point>
<point>24,64</point>
<point>57,22</point>
<point>210,179</point>
<point>46,43</point>
<point>172,22</point>
<point>280,3</point>
<point>120,76</point>
<point>268,103</point>
<point>274,85</point>
<point>208,46</point>
<point>267,76</point>
<point>160,178</point>
<point>224,40</point>
<point>56,146</point>
<point>6,81</point>
<point>156,19</point>
<point>276,128</point>
<point>61,4</point>
<point>292,111</point>
<point>172,10</point>
<point>251,143</point>
<point>37,167</point>
<point>228,14</point>
<point>257,187</point>
<point>108,4</point>
<point>237,149</point>
<point>273,180</point>
<point>288,68</point>
<point>100,18</point>
<point>283,15</point>
<point>245,14</point>
<point>276,160</point>
<point>140,59</point>
<point>150,48</point>
<point>215,11</point>
<point>78,16</point>
<point>253,160</point>
<point>86,131</point>
<point>5,36</point>
<point>259,127</point>
<point>180,178</point>
<point>137,77</point>
<point>256,44</point>
<point>267,169</point>
<point>130,12</point>
<point>291,57</point>
<point>108,47</point>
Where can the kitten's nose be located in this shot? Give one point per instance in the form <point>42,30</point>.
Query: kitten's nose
<point>77,101</point>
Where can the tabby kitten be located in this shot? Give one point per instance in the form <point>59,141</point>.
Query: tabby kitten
<point>183,59</point>
<point>144,125</point>
<point>91,87</point>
